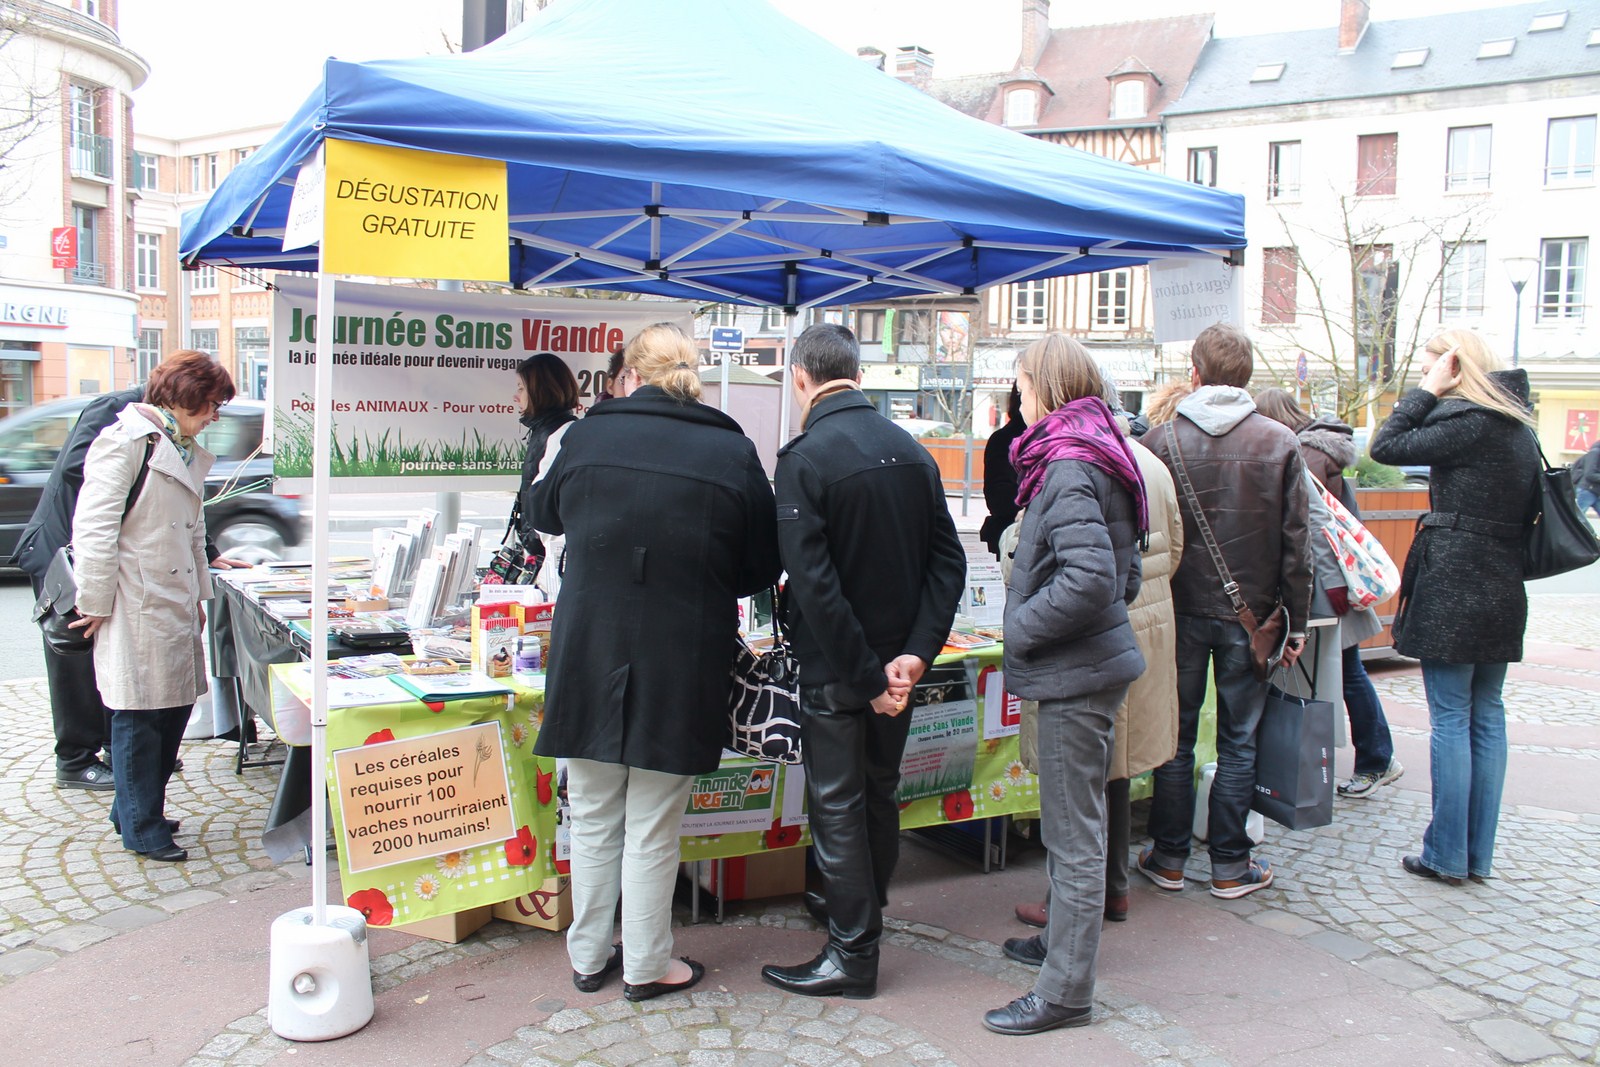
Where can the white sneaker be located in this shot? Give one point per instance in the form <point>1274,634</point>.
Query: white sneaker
<point>1363,785</point>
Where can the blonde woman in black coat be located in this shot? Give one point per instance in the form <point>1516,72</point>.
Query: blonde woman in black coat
<point>669,519</point>
<point>1462,604</point>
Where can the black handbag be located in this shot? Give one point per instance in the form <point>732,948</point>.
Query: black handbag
<point>1558,538</point>
<point>764,703</point>
<point>512,563</point>
<point>57,607</point>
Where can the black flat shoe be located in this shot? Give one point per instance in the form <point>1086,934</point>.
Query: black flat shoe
<point>173,825</point>
<point>822,977</point>
<point>1029,950</point>
<point>649,990</point>
<point>1414,865</point>
<point>591,983</point>
<point>1032,1014</point>
<point>169,854</point>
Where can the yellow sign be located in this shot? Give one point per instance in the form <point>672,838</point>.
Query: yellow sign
<point>399,213</point>
<point>426,796</point>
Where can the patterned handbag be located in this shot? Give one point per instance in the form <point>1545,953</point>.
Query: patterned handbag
<point>512,564</point>
<point>764,703</point>
<point>1370,574</point>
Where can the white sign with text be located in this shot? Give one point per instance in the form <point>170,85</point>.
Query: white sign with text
<point>1191,295</point>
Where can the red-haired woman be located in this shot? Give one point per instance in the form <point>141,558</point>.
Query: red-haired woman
<point>139,540</point>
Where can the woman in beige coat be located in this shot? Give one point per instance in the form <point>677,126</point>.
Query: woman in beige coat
<point>139,552</point>
<point>1146,732</point>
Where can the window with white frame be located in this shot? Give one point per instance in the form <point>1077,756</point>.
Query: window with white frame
<point>1128,99</point>
<point>196,174</point>
<point>1468,164</point>
<point>1283,170</point>
<point>147,261</point>
<point>149,353</point>
<point>204,340</point>
<point>146,170</point>
<point>1569,151</point>
<point>204,280</point>
<point>1029,304</point>
<point>241,154</point>
<point>722,315</point>
<point>1203,166</point>
<point>1111,295</point>
<point>772,320</point>
<point>869,326</point>
<point>1461,283</point>
<point>1561,277</point>
<point>1022,107</point>
<point>211,170</point>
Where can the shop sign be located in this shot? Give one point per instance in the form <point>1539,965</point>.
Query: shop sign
<point>64,247</point>
<point>952,378</point>
<point>45,316</point>
<point>399,213</point>
<point>423,796</point>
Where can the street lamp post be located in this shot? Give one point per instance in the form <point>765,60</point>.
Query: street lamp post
<point>1520,270</point>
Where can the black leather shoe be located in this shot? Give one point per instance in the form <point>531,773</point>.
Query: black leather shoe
<point>591,983</point>
<point>822,978</point>
<point>816,906</point>
<point>1414,865</point>
<point>170,854</point>
<point>173,826</point>
<point>1029,950</point>
<point>95,776</point>
<point>1032,1014</point>
<point>647,990</point>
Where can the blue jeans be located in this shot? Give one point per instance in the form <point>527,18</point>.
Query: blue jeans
<point>144,751</point>
<point>1587,500</point>
<point>1222,645</point>
<point>1369,729</point>
<point>1468,753</point>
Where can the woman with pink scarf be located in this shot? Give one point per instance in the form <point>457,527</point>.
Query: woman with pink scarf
<point>1069,645</point>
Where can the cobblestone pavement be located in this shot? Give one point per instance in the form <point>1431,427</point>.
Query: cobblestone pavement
<point>1513,964</point>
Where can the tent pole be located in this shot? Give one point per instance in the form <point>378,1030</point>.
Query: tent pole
<point>322,433</point>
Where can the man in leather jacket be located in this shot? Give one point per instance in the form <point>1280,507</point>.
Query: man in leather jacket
<point>1249,480</point>
<point>875,572</point>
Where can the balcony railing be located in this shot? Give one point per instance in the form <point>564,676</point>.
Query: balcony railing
<point>91,154</point>
<point>88,274</point>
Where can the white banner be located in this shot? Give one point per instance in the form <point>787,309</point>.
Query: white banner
<point>1191,295</point>
<point>423,380</point>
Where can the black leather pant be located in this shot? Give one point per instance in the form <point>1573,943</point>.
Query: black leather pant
<point>852,761</point>
<point>81,719</point>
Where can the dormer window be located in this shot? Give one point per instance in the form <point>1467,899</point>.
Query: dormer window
<point>1411,57</point>
<point>1129,99</point>
<point>1497,49</point>
<point>1022,107</point>
<point>1268,72</point>
<point>1554,20</point>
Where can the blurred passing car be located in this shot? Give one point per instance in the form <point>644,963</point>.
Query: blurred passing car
<point>251,525</point>
<point>925,427</point>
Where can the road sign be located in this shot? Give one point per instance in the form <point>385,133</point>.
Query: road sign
<point>727,339</point>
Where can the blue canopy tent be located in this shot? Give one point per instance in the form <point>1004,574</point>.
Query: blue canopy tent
<point>715,150</point>
<point>709,150</point>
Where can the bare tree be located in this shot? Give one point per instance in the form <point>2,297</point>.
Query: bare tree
<point>1378,279</point>
<point>30,102</point>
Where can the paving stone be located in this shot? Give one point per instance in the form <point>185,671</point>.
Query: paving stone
<point>570,1019</point>
<point>75,937</point>
<point>1284,923</point>
<point>715,1038</point>
<point>1517,1042</point>
<point>25,961</point>
<point>1397,971</point>
<point>1454,1005</point>
<point>1341,945</point>
<point>132,917</point>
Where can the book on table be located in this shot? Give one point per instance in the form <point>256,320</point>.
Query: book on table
<point>433,688</point>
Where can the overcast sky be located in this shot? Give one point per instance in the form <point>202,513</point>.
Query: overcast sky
<point>226,64</point>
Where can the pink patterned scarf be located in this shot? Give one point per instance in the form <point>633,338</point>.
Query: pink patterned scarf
<point>1083,429</point>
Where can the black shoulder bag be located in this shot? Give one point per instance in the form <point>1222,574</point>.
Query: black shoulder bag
<point>1557,538</point>
<point>512,563</point>
<point>57,606</point>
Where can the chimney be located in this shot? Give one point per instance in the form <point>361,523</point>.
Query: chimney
<point>1035,32</point>
<point>913,65</point>
<point>1352,24</point>
<point>871,56</point>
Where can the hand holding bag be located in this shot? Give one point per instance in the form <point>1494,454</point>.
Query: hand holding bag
<point>1269,637</point>
<point>1294,759</point>
<point>764,703</point>
<point>1558,538</point>
<point>57,607</point>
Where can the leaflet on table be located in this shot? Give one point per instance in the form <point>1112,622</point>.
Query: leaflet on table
<point>436,687</point>
<point>983,598</point>
<point>352,692</point>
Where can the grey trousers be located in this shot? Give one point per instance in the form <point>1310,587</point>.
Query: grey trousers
<point>624,843</point>
<point>1074,760</point>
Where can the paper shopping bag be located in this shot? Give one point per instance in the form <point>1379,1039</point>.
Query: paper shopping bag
<point>1294,761</point>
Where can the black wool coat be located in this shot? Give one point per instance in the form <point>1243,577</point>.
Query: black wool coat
<point>669,519</point>
<point>1464,598</point>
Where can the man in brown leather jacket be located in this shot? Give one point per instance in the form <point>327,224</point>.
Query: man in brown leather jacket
<point>1250,482</point>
